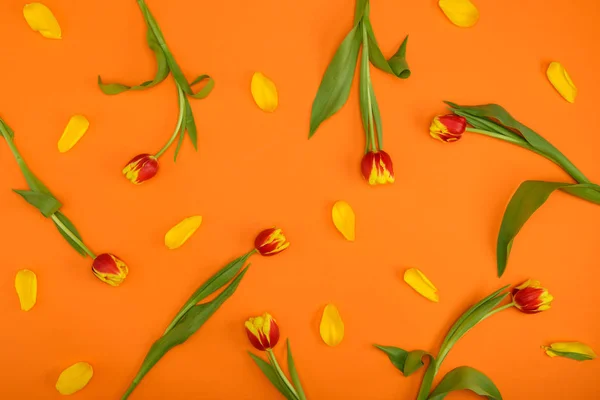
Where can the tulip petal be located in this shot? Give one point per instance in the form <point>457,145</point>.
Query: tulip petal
<point>573,350</point>
<point>344,219</point>
<point>461,13</point>
<point>74,378</point>
<point>332,326</point>
<point>560,79</point>
<point>26,285</point>
<point>74,131</point>
<point>40,19</point>
<point>264,92</point>
<point>181,232</point>
<point>418,281</point>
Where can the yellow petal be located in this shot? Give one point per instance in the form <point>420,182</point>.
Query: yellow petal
<point>462,13</point>
<point>181,232</point>
<point>74,378</point>
<point>75,129</point>
<point>264,92</point>
<point>344,219</point>
<point>573,350</point>
<point>332,326</point>
<point>26,285</point>
<point>560,79</point>
<point>40,19</point>
<point>418,281</point>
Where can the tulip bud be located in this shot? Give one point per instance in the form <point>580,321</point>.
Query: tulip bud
<point>262,332</point>
<point>377,168</point>
<point>448,128</point>
<point>270,242</point>
<point>110,269</point>
<point>141,168</point>
<point>531,298</point>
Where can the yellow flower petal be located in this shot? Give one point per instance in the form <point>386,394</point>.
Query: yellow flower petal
<point>26,285</point>
<point>461,13</point>
<point>332,326</point>
<point>74,378</point>
<point>344,219</point>
<point>573,350</point>
<point>181,232</point>
<point>418,281</point>
<point>560,79</point>
<point>40,19</point>
<point>75,129</point>
<point>264,92</point>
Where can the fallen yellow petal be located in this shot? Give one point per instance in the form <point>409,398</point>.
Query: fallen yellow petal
<point>560,79</point>
<point>332,326</point>
<point>74,378</point>
<point>264,92</point>
<point>40,19</point>
<point>461,13</point>
<point>344,219</point>
<point>74,131</point>
<point>418,281</point>
<point>181,232</point>
<point>573,350</point>
<point>26,285</point>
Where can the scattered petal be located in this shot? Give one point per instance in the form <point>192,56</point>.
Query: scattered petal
<point>332,326</point>
<point>40,19</point>
<point>573,350</point>
<point>418,281</point>
<point>264,92</point>
<point>181,232</point>
<point>461,13</point>
<point>344,219</point>
<point>74,131</point>
<point>26,285</point>
<point>74,378</point>
<point>560,79</point>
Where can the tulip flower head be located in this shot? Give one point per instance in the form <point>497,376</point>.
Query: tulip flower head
<point>531,298</point>
<point>448,128</point>
<point>270,242</point>
<point>141,168</point>
<point>262,332</point>
<point>110,269</point>
<point>377,168</point>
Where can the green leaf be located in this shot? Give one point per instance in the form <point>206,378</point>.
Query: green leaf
<point>186,327</point>
<point>364,87</point>
<point>271,374</point>
<point>206,89</point>
<point>530,196</point>
<point>190,125</point>
<point>45,202</point>
<point>182,128</point>
<point>72,228</point>
<point>466,378</point>
<point>397,64</point>
<point>361,9</point>
<point>213,284</point>
<point>377,117</point>
<point>162,70</point>
<point>6,130</point>
<point>408,362</point>
<point>334,89</point>
<point>294,373</point>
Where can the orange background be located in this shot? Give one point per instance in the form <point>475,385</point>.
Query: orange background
<point>255,170</point>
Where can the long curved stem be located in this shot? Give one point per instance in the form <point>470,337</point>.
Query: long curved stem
<point>179,123</point>
<point>72,236</point>
<point>280,373</point>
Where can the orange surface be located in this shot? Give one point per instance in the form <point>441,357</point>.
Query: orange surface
<point>255,170</point>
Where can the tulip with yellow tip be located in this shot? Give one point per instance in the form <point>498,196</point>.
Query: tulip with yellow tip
<point>271,241</point>
<point>530,298</point>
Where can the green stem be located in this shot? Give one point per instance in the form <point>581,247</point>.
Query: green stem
<point>280,373</point>
<point>131,388</point>
<point>180,118</point>
<point>365,49</point>
<point>71,235</point>
<point>497,310</point>
<point>20,161</point>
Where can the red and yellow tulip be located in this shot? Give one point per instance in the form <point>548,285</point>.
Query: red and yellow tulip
<point>377,168</point>
<point>531,298</point>
<point>262,331</point>
<point>270,242</point>
<point>448,128</point>
<point>141,168</point>
<point>110,269</point>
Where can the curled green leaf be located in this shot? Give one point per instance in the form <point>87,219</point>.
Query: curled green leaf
<point>466,378</point>
<point>45,202</point>
<point>408,362</point>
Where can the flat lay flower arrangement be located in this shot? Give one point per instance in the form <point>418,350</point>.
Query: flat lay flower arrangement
<point>281,246</point>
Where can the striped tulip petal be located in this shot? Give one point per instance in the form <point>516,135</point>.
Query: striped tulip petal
<point>74,378</point>
<point>573,350</point>
<point>418,281</point>
<point>560,79</point>
<point>344,219</point>
<point>264,92</point>
<point>332,326</point>
<point>461,13</point>
<point>26,286</point>
<point>76,128</point>
<point>40,19</point>
<point>181,232</point>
